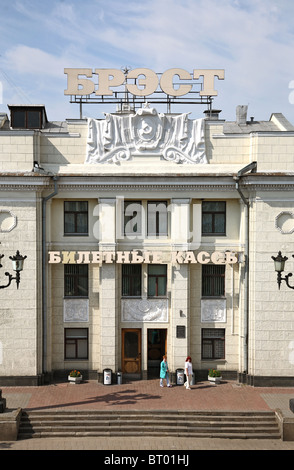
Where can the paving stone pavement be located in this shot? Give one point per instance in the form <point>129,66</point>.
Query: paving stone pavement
<point>143,395</point>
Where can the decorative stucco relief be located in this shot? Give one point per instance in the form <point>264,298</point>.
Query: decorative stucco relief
<point>8,221</point>
<point>118,138</point>
<point>154,310</point>
<point>76,310</point>
<point>213,310</point>
<point>284,222</point>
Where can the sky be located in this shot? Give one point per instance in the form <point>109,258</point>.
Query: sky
<point>252,40</point>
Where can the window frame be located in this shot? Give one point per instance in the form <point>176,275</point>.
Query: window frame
<point>146,227</point>
<point>157,232</point>
<point>76,213</point>
<point>26,112</point>
<point>156,276</point>
<point>213,214</point>
<point>131,277</point>
<point>128,218</point>
<point>215,277</point>
<point>212,341</point>
<point>70,340</point>
<point>76,276</point>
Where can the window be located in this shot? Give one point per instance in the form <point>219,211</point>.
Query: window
<point>213,280</point>
<point>132,218</point>
<point>28,117</point>
<point>131,280</point>
<point>76,343</point>
<point>75,218</point>
<point>157,218</point>
<point>213,218</point>
<point>213,343</point>
<point>135,219</point>
<point>76,280</point>
<point>157,280</point>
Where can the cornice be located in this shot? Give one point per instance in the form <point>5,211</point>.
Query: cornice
<point>17,182</point>
<point>210,183</point>
<point>148,187</point>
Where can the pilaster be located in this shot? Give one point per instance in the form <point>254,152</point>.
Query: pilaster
<point>108,286</point>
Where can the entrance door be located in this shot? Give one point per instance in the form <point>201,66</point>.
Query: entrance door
<point>131,350</point>
<point>156,349</point>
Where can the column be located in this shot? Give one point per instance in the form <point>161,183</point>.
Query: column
<point>108,286</point>
<point>180,301</point>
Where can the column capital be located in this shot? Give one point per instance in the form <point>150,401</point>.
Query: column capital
<point>178,200</point>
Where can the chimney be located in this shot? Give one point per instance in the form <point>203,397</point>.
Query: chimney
<point>212,114</point>
<point>241,114</point>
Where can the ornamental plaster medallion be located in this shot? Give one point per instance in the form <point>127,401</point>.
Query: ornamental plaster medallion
<point>284,222</point>
<point>145,310</point>
<point>8,221</point>
<point>213,310</point>
<point>147,128</point>
<point>76,310</point>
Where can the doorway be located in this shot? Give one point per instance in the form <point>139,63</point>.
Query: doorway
<point>131,350</point>
<point>156,349</point>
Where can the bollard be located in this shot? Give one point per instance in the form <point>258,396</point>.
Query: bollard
<point>119,378</point>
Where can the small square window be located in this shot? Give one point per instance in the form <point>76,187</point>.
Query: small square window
<point>213,280</point>
<point>132,218</point>
<point>157,218</point>
<point>27,117</point>
<point>75,218</point>
<point>76,280</point>
<point>131,280</point>
<point>157,280</point>
<point>213,343</point>
<point>213,217</point>
<point>76,343</point>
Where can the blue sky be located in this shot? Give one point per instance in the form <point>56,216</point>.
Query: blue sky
<point>253,40</point>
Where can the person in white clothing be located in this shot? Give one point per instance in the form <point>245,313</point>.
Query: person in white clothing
<point>188,372</point>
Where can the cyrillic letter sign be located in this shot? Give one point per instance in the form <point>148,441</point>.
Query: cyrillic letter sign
<point>79,81</point>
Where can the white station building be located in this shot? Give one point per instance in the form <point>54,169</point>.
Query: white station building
<point>146,233</point>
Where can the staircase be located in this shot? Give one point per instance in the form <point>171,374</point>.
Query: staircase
<point>220,424</point>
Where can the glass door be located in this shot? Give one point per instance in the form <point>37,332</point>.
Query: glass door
<point>156,349</point>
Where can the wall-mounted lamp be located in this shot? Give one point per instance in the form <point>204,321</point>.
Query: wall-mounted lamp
<point>279,262</point>
<point>17,266</point>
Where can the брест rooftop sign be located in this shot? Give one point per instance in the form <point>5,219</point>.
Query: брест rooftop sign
<point>79,81</point>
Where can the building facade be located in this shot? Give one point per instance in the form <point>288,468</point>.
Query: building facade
<point>146,234</point>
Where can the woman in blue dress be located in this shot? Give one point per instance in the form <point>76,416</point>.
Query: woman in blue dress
<point>164,372</point>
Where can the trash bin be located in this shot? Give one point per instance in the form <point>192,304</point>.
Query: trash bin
<point>180,377</point>
<point>107,377</point>
<point>193,379</point>
<point>119,378</point>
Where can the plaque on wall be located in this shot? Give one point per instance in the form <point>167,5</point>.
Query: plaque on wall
<point>213,310</point>
<point>181,331</point>
<point>76,310</point>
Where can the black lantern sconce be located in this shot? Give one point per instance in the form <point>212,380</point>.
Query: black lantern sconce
<point>280,261</point>
<point>17,266</point>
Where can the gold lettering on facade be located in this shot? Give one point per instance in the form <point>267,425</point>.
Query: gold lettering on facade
<point>140,257</point>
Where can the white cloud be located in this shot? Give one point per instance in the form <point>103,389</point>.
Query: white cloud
<point>251,40</point>
<point>33,61</point>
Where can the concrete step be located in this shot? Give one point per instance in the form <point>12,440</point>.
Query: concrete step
<point>196,423</point>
